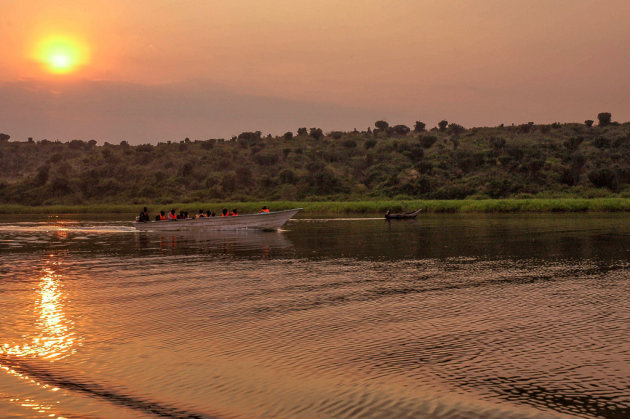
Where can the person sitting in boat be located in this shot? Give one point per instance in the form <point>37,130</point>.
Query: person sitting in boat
<point>209,214</point>
<point>172,216</point>
<point>264,210</point>
<point>200,214</point>
<point>224,213</point>
<point>144,215</point>
<point>234,213</point>
<point>162,216</point>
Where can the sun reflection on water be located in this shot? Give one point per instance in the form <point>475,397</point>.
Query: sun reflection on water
<point>53,336</point>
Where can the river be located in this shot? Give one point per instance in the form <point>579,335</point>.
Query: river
<point>447,316</point>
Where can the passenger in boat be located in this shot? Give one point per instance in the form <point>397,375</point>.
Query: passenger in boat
<point>162,216</point>
<point>234,213</point>
<point>144,215</point>
<point>224,213</point>
<point>200,214</point>
<point>157,217</point>
<point>209,214</point>
<point>264,210</point>
<point>172,216</point>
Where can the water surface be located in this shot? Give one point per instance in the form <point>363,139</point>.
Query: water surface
<point>449,316</point>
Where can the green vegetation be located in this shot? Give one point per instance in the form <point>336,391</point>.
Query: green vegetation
<point>351,207</point>
<point>382,164</point>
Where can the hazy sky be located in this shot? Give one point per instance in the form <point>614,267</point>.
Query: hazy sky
<point>163,69</point>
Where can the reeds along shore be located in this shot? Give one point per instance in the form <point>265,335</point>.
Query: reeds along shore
<point>351,207</point>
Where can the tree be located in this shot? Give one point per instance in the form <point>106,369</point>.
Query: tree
<point>381,125</point>
<point>316,133</point>
<point>302,131</point>
<point>427,140</point>
<point>4,137</point>
<point>401,129</point>
<point>419,126</point>
<point>456,128</point>
<point>288,135</point>
<point>442,124</point>
<point>604,178</point>
<point>589,122</point>
<point>604,118</point>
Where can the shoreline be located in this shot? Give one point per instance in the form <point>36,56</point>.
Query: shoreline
<point>349,207</point>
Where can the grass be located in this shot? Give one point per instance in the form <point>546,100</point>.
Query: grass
<point>352,207</point>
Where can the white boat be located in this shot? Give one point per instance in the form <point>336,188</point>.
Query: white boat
<point>263,221</point>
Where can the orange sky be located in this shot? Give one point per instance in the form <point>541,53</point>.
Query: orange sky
<point>213,68</point>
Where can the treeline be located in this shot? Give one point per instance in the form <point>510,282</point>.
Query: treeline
<point>384,161</point>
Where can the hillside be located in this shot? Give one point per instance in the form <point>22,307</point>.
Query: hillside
<point>450,162</point>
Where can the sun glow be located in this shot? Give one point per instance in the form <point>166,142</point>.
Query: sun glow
<point>61,54</point>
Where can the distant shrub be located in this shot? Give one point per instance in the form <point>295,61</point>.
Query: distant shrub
<point>604,178</point>
<point>604,118</point>
<point>456,129</point>
<point>316,133</point>
<point>427,140</point>
<point>442,125</point>
<point>601,142</point>
<point>144,148</point>
<point>498,188</point>
<point>336,135</point>
<point>4,137</point>
<point>302,131</point>
<point>349,143</point>
<point>381,125</point>
<point>573,143</point>
<point>556,125</point>
<point>288,135</point>
<point>496,143</point>
<point>266,158</point>
<point>370,143</point>
<point>401,129</point>
<point>76,145</point>
<point>419,126</point>
<point>589,122</point>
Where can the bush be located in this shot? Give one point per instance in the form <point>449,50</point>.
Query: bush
<point>288,135</point>
<point>369,144</point>
<point>381,125</point>
<point>349,143</point>
<point>427,140</point>
<point>316,133</point>
<point>401,129</point>
<point>589,122</point>
<point>601,142</point>
<point>604,118</point>
<point>302,131</point>
<point>442,125</point>
<point>419,126</point>
<point>456,128</point>
<point>604,178</point>
<point>336,135</point>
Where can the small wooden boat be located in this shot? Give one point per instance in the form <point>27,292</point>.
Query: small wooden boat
<point>402,216</point>
<point>264,221</point>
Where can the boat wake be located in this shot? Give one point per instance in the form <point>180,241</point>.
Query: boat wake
<point>42,374</point>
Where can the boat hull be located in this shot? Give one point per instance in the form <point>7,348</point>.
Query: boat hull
<point>264,221</point>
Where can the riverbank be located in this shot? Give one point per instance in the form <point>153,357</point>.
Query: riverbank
<point>351,207</point>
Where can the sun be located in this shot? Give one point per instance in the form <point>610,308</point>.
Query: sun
<point>61,54</point>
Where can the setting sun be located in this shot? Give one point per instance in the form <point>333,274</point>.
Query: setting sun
<point>60,54</point>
